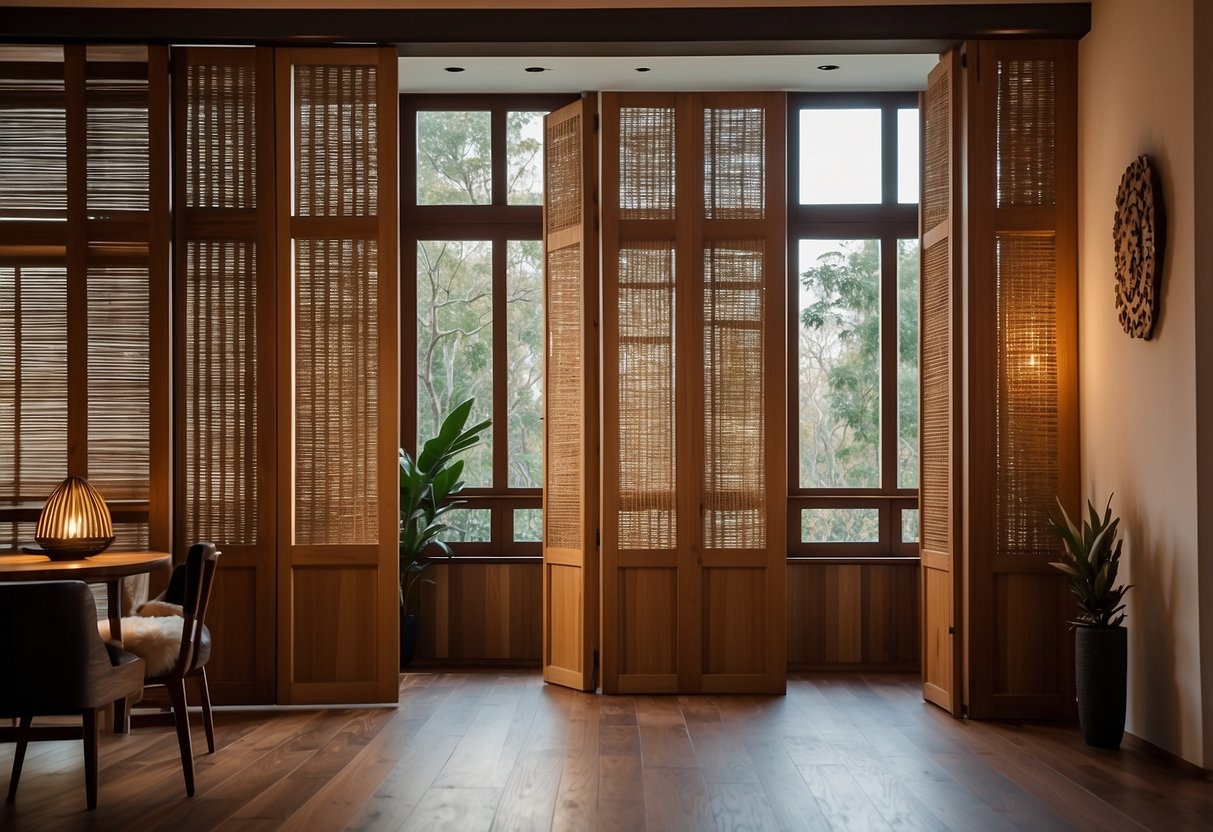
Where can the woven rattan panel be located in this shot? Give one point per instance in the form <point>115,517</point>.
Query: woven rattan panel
<point>734,469</point>
<point>33,381</point>
<point>937,152</point>
<point>1026,131</point>
<point>734,143</point>
<point>220,162</point>
<point>33,148</point>
<point>646,163</point>
<point>935,439</point>
<point>1026,408</point>
<point>562,185</point>
<point>647,475</point>
<point>565,378</point>
<point>336,141</point>
<point>336,392</point>
<point>118,149</point>
<point>221,392</point>
<point>118,377</point>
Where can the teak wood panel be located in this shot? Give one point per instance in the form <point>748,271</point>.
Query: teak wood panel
<point>682,219</point>
<point>337,519</point>
<point>570,426</point>
<point>1021,132</point>
<point>477,612</point>
<point>940,474</point>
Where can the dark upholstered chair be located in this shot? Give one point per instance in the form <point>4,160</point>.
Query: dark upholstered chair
<point>53,663</point>
<point>190,589</point>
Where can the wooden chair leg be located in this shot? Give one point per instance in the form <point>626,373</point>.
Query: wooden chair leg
<point>121,713</point>
<point>204,694</point>
<point>181,716</point>
<point>19,756</point>
<point>92,731</point>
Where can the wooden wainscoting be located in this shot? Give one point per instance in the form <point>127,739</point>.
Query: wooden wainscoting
<point>853,615</point>
<point>840,615</point>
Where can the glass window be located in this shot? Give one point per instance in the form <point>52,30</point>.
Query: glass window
<point>840,160</point>
<point>909,525</point>
<point>907,363</point>
<point>468,525</point>
<point>524,158</point>
<point>840,525</point>
<point>907,156</point>
<point>528,525</point>
<point>524,361</point>
<point>454,158</point>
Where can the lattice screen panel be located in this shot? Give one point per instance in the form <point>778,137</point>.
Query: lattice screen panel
<point>33,142</point>
<point>935,440</point>
<point>646,163</point>
<point>336,141</point>
<point>220,158</point>
<point>221,392</point>
<point>1026,466</point>
<point>937,152</point>
<point>118,379</point>
<point>33,381</point>
<point>1026,115</point>
<point>565,380</point>
<point>336,391</point>
<point>734,378</point>
<point>562,185</point>
<point>734,163</point>
<point>647,471</point>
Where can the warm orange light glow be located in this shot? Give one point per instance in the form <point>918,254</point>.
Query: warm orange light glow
<point>75,522</point>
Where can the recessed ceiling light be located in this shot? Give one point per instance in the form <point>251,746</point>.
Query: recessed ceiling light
<point>535,69</point>
<point>644,69</point>
<point>453,68</point>
<point>828,67</point>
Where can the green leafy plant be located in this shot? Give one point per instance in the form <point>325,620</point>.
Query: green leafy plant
<point>427,488</point>
<point>1090,560</point>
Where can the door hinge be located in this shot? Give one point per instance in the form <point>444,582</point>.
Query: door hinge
<point>595,122</point>
<point>951,631</point>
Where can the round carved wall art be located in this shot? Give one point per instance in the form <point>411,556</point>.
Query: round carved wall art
<point>1137,234</point>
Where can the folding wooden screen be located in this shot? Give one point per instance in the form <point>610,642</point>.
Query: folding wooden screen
<point>224,336</point>
<point>338,402</point>
<point>570,475</point>
<point>84,289</point>
<point>693,469</point>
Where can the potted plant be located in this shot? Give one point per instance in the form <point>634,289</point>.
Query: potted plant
<point>427,488</point>
<point>1090,560</point>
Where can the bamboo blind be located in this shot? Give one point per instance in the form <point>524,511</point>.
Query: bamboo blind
<point>336,391</point>
<point>562,183</point>
<point>336,139</point>
<point>1027,404</point>
<point>734,487</point>
<point>935,438</point>
<point>33,145</point>
<point>734,163</point>
<point>220,157</point>
<point>646,163</point>
<point>118,144</point>
<point>937,152</point>
<point>564,398</point>
<point>221,346</point>
<point>1026,130</point>
<point>647,476</point>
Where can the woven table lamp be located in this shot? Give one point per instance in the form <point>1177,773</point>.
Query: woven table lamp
<point>75,522</point>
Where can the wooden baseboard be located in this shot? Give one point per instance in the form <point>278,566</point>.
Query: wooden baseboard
<point>858,667</point>
<point>472,664</point>
<point>1166,757</point>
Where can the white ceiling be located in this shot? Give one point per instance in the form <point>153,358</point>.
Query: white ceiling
<point>855,73</point>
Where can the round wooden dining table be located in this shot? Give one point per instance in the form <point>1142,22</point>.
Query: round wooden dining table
<point>107,568</point>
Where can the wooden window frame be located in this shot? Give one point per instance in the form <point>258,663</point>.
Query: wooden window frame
<point>887,221</point>
<point>497,222</point>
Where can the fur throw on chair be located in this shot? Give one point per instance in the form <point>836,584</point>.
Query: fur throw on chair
<point>156,638</point>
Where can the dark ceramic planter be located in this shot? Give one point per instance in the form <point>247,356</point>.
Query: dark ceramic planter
<point>1100,667</point>
<point>408,639</point>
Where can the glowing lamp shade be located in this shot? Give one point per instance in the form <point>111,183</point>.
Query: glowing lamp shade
<point>75,522</point>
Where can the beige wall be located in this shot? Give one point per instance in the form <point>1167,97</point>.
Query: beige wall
<point>1138,399</point>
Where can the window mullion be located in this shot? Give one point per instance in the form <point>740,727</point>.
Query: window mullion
<point>888,369</point>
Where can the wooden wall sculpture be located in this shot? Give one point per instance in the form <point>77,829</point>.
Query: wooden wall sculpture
<point>1138,236</point>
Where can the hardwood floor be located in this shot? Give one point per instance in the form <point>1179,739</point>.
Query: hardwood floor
<point>500,750</point>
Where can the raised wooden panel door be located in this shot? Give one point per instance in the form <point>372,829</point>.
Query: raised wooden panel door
<point>693,502</point>
<point>570,406</point>
<point>940,475</point>
<point>225,350</point>
<point>338,404</point>
<point>1022,375</point>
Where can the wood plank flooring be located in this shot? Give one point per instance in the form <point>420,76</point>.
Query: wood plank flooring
<point>502,751</point>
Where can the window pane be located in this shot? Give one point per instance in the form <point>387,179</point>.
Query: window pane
<point>839,363</point>
<point>839,157</point>
<point>909,525</point>
<point>454,158</point>
<point>468,525</point>
<point>840,525</point>
<point>528,525</point>
<point>524,158</point>
<point>524,357</point>
<point>907,156</point>
<point>455,342</point>
<point>907,363</point>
